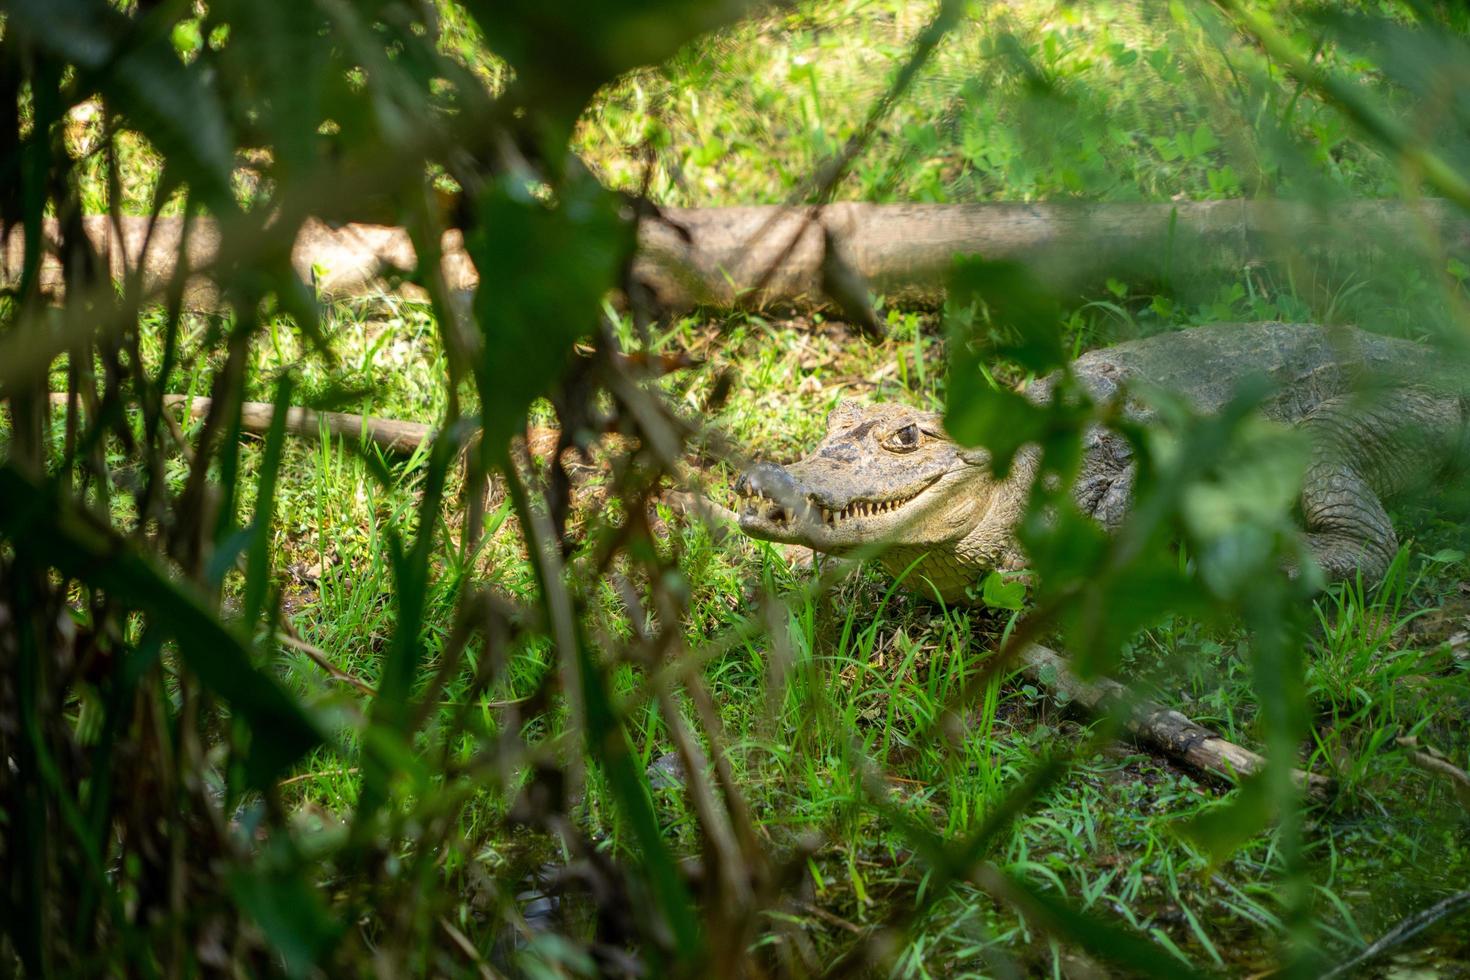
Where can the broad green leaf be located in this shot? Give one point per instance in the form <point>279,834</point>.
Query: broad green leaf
<point>1065,546</point>
<point>979,415</point>
<point>1025,317</point>
<point>1203,140</point>
<point>290,913</point>
<point>1112,610</point>
<point>1001,591</point>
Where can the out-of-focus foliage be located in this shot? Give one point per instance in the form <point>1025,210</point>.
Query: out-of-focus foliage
<point>130,849</point>
<point>519,657</point>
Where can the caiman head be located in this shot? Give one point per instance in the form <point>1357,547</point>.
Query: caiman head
<point>887,480</point>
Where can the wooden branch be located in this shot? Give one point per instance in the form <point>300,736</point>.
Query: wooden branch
<point>1406,929</point>
<point>255,417</point>
<point>319,657</point>
<point>1162,728</point>
<point>905,251</point>
<point>1433,761</point>
<point>718,256</point>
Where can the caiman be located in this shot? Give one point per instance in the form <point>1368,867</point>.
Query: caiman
<point>889,475</point>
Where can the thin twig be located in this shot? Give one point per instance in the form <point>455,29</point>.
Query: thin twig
<point>1433,761</point>
<point>320,774</point>
<point>468,948</point>
<point>1403,932</point>
<point>319,657</point>
<point>831,918</point>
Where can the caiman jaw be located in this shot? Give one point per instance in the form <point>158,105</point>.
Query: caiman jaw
<point>772,504</point>
<point>760,506</point>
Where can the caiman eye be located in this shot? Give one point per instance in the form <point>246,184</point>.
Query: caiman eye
<point>904,440</point>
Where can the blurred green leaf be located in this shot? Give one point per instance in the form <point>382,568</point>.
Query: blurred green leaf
<point>289,911</point>
<point>1243,506</point>
<point>36,519</point>
<point>1024,316</point>
<point>257,569</point>
<point>1112,609</point>
<point>1222,829</point>
<point>169,102</point>
<point>977,414</point>
<point>186,37</point>
<point>1066,547</point>
<point>594,41</point>
<point>544,269</point>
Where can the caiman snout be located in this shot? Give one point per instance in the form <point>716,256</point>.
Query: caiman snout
<point>769,491</point>
<point>766,480</point>
<point>777,504</point>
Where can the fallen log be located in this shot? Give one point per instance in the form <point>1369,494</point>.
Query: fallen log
<point>392,435</point>
<point>759,256</point>
<point>1163,728</point>
<point>753,257</point>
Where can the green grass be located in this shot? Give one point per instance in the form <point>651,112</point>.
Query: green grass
<point>864,669</point>
<point>1024,101</point>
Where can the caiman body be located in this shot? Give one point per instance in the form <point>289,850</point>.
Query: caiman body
<point>889,476</point>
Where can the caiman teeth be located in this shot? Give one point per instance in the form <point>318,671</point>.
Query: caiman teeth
<point>861,508</point>
<point>758,504</point>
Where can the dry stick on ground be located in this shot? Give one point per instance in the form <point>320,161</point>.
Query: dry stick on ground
<point>255,417</point>
<point>318,774</point>
<point>1161,727</point>
<point>903,250</point>
<point>1433,761</point>
<point>1403,932</point>
<point>320,658</point>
